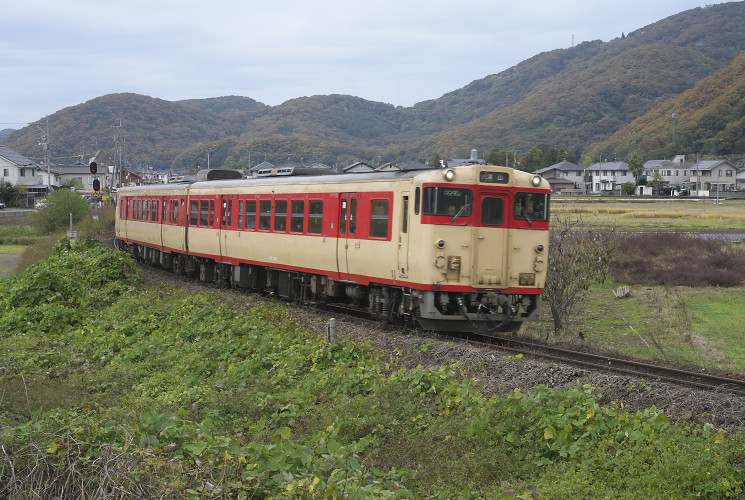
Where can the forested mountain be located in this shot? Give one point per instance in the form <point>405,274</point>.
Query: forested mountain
<point>224,105</point>
<point>710,119</point>
<point>568,98</point>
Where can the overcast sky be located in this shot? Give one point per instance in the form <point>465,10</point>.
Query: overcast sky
<point>59,53</point>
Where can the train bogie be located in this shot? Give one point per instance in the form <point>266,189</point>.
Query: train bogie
<point>455,249</point>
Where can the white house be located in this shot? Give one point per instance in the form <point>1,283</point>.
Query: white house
<point>19,170</point>
<point>608,177</point>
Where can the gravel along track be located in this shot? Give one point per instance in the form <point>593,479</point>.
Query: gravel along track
<point>499,372</point>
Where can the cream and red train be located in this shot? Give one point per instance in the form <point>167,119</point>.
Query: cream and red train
<point>454,249</point>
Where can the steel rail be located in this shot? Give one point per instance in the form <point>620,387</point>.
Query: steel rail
<point>612,364</point>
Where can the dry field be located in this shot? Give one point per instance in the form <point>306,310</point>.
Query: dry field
<point>656,215</point>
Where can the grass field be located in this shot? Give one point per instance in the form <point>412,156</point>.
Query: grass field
<point>688,215</point>
<point>682,325</point>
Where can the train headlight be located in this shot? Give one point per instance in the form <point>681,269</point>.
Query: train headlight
<point>440,243</point>
<point>536,180</point>
<point>539,248</point>
<point>527,279</point>
<point>449,174</point>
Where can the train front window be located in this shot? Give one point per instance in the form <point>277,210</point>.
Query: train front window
<point>448,201</point>
<point>492,211</point>
<point>531,207</point>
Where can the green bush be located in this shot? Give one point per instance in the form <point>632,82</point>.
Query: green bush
<point>54,212</point>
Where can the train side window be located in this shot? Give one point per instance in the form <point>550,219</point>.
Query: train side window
<point>194,220</point>
<point>153,211</point>
<point>343,218</point>
<point>241,213</point>
<point>315,219</point>
<point>251,214</point>
<point>227,213</point>
<point>280,216</point>
<point>353,217</point>
<point>166,212</point>
<point>492,211</point>
<point>212,214</point>
<point>204,214</point>
<point>266,215</point>
<point>175,212</point>
<point>417,200</point>
<point>405,215</point>
<point>379,219</point>
<point>297,216</point>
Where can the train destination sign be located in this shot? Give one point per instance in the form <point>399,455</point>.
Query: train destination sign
<point>494,177</point>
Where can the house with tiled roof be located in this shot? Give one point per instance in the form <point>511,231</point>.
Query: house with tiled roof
<point>709,177</point>
<point>564,177</point>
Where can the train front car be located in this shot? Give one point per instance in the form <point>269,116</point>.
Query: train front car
<point>482,234</point>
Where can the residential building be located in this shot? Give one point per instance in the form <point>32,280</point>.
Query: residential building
<point>21,171</point>
<point>564,177</point>
<point>709,177</point>
<point>609,177</point>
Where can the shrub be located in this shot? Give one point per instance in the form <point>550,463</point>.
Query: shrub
<point>54,214</point>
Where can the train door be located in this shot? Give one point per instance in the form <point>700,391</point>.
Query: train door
<point>348,207</point>
<point>403,238</point>
<point>491,240</point>
<point>226,224</point>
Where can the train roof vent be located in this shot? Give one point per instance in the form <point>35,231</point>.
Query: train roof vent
<point>216,174</point>
<point>283,171</point>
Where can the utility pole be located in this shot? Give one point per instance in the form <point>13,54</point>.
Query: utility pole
<point>45,146</point>
<point>117,153</point>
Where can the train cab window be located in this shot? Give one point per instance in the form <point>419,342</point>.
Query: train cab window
<point>449,201</point>
<point>417,200</point>
<point>531,207</point>
<point>297,216</point>
<point>265,219</point>
<point>492,211</point>
<point>315,217</point>
<point>379,219</point>
<point>251,215</point>
<point>280,216</point>
<point>194,219</point>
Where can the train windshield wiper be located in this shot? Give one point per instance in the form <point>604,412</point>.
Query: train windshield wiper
<point>460,212</point>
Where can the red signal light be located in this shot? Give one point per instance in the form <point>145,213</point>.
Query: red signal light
<point>96,185</point>
<point>94,167</point>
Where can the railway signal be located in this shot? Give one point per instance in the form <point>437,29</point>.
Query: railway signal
<point>96,185</point>
<point>94,167</point>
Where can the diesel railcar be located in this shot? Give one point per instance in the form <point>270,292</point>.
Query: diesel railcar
<point>453,249</point>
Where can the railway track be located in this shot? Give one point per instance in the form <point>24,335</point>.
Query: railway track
<point>698,379</point>
<point>595,362</point>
